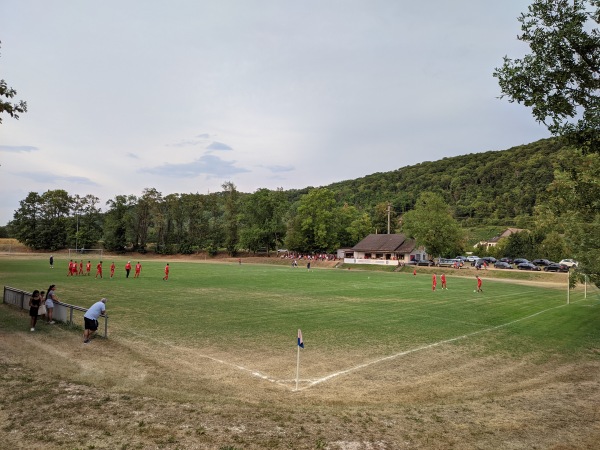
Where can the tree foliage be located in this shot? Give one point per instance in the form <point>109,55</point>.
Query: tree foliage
<point>432,225</point>
<point>6,106</point>
<point>560,79</point>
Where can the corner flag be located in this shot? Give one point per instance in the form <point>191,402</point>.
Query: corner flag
<point>300,341</point>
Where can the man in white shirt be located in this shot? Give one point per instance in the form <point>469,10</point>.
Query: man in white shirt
<point>90,319</point>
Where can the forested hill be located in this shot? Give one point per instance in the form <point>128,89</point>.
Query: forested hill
<point>493,186</point>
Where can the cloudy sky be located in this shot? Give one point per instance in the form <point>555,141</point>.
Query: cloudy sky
<point>184,95</point>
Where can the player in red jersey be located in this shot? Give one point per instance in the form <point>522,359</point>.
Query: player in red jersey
<point>138,269</point>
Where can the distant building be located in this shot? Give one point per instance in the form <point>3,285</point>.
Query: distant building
<point>494,241</point>
<point>384,249</point>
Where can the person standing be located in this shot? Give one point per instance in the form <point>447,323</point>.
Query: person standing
<point>479,289</point>
<point>166,277</point>
<point>90,319</point>
<point>433,282</point>
<point>112,270</point>
<point>81,268</point>
<point>127,269</point>
<point>35,301</point>
<point>99,269</point>
<point>52,261</point>
<point>88,268</point>
<point>444,281</point>
<point>50,299</point>
<point>138,269</point>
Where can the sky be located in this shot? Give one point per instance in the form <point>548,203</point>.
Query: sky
<point>185,95</point>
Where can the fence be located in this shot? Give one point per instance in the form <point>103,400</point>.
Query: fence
<point>63,312</point>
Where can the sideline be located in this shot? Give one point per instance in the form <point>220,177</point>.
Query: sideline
<point>314,382</point>
<point>424,347</point>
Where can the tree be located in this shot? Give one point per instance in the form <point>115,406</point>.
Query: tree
<point>261,220</point>
<point>314,228</point>
<point>117,222</point>
<point>431,224</point>
<point>560,78</point>
<point>13,109</point>
<point>560,81</point>
<point>231,217</point>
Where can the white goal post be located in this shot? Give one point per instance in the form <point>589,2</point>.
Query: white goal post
<point>75,253</point>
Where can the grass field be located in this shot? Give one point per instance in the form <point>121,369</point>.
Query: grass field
<point>387,362</point>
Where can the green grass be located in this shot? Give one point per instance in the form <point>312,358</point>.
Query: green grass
<point>252,312</point>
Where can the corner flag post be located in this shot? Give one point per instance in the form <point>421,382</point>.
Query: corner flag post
<point>300,344</point>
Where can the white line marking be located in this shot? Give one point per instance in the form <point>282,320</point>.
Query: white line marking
<point>424,347</point>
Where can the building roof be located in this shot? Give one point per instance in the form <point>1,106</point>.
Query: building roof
<point>385,243</point>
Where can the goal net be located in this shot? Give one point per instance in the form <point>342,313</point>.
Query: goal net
<point>84,252</point>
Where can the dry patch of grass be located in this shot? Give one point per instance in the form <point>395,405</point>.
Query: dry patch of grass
<point>136,393</point>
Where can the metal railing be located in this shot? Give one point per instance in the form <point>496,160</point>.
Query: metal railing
<point>63,312</point>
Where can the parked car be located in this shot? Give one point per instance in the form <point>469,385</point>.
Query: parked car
<point>569,262</point>
<point>502,265</point>
<point>443,262</point>
<point>507,260</point>
<point>462,258</point>
<point>479,264</point>
<point>518,261</point>
<point>542,262</point>
<point>424,262</point>
<point>472,258</point>
<point>489,259</point>
<point>527,266</point>
<point>556,267</point>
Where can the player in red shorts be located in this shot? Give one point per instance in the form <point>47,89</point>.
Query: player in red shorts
<point>99,269</point>
<point>80,267</point>
<point>433,282</point>
<point>444,281</point>
<point>112,269</point>
<point>138,269</point>
<point>479,289</point>
<point>166,277</point>
<point>88,268</point>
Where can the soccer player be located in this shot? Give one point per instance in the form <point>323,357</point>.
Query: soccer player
<point>433,282</point>
<point>127,269</point>
<point>99,269</point>
<point>138,269</point>
<point>88,268</point>
<point>80,267</point>
<point>112,269</point>
<point>166,277</point>
<point>479,289</point>
<point>444,281</point>
<point>70,269</point>
<point>52,261</point>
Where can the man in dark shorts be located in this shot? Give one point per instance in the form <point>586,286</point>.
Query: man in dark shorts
<point>90,319</point>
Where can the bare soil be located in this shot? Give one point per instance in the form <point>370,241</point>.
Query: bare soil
<point>137,393</point>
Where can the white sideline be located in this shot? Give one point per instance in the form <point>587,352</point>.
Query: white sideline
<point>424,347</point>
<point>317,381</point>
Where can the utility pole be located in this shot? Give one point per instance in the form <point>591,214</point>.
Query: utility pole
<point>389,211</point>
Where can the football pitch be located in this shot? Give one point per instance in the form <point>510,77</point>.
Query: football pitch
<point>247,315</point>
<point>209,359</point>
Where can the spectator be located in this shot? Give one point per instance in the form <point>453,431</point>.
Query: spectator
<point>90,319</point>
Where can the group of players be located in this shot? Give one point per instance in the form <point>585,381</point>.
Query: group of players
<point>444,285</point>
<point>76,269</point>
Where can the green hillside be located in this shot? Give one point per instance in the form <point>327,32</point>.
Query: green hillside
<point>493,187</point>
